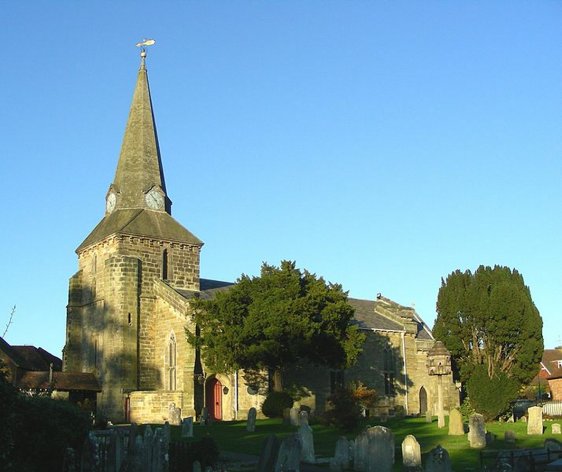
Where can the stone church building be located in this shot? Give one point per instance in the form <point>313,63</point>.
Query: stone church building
<point>129,306</point>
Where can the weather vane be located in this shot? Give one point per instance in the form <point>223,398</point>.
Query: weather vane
<point>143,44</point>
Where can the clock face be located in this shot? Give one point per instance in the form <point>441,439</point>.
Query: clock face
<point>155,200</point>
<point>110,202</point>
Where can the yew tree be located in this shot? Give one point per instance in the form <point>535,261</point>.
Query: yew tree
<point>489,323</point>
<point>275,320</point>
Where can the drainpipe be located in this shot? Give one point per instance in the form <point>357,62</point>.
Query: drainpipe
<point>236,395</point>
<point>405,371</point>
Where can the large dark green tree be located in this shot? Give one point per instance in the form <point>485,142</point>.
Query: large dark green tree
<point>273,321</point>
<point>489,323</point>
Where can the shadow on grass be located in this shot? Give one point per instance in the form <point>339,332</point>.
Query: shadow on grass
<point>232,436</point>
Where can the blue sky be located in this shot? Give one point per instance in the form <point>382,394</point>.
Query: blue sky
<point>379,144</point>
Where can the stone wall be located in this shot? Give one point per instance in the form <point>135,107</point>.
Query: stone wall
<point>153,407</point>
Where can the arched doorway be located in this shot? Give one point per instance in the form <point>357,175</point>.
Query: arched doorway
<point>213,395</point>
<point>423,401</point>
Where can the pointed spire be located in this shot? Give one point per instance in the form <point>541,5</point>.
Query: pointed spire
<point>139,179</point>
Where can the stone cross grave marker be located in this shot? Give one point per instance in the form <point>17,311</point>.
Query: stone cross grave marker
<point>477,431</point>
<point>411,453</point>
<point>251,422</point>
<point>534,425</point>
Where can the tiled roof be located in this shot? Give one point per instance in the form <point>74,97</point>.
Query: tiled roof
<point>552,360</point>
<point>63,381</point>
<point>37,358</point>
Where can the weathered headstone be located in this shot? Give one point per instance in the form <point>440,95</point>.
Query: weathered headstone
<point>381,449</point>
<point>268,455</point>
<point>307,444</point>
<point>456,427</point>
<point>196,467</point>
<point>251,421</point>
<point>294,416</point>
<point>535,426</point>
<point>490,438</point>
<point>509,436</point>
<point>428,416</point>
<point>411,453</point>
<point>477,431</point>
<point>187,427</point>
<point>303,417</point>
<point>437,460</point>
<point>360,451</point>
<point>552,444</point>
<point>147,447</point>
<point>204,417</point>
<point>289,455</point>
<point>174,414</point>
<point>556,428</point>
<point>341,455</point>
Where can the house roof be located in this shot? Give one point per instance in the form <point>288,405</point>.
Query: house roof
<point>62,381</point>
<point>37,358</point>
<point>552,362</point>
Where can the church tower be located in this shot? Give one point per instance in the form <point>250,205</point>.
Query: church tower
<point>123,321</point>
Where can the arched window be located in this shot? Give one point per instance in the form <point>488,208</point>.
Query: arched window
<point>165,264</point>
<point>171,355</point>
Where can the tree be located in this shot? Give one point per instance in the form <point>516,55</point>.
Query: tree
<point>275,320</point>
<point>489,323</point>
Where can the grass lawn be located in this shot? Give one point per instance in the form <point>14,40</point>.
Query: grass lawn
<point>232,436</point>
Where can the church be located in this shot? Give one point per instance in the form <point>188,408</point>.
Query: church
<point>129,306</point>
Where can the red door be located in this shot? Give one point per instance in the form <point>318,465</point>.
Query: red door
<point>214,399</point>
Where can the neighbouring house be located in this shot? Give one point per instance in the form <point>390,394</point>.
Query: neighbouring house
<point>551,372</point>
<point>36,371</point>
<point>129,307</point>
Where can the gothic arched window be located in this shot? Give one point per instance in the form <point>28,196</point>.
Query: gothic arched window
<point>165,264</point>
<point>388,371</point>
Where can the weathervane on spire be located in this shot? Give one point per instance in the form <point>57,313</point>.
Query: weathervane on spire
<point>143,44</point>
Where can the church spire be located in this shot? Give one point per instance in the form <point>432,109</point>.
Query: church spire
<point>139,178</point>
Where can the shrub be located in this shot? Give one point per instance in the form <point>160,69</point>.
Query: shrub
<point>44,429</point>
<point>491,396</point>
<point>275,403</point>
<point>349,403</point>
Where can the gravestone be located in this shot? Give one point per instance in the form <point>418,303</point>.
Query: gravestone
<point>534,425</point>
<point>251,422</point>
<point>174,414</point>
<point>268,455</point>
<point>552,444</point>
<point>204,417</point>
<point>437,460</point>
<point>303,417</point>
<point>456,427</point>
<point>381,449</point>
<point>556,428</point>
<point>411,453</point>
<point>307,443</point>
<point>287,416</point>
<point>428,416</point>
<point>196,467</point>
<point>477,431</point>
<point>360,451</point>
<point>341,455</point>
<point>289,457</point>
<point>509,437</point>
<point>187,427</point>
<point>294,416</point>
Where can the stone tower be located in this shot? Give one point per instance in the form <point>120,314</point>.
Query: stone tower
<point>133,262</point>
